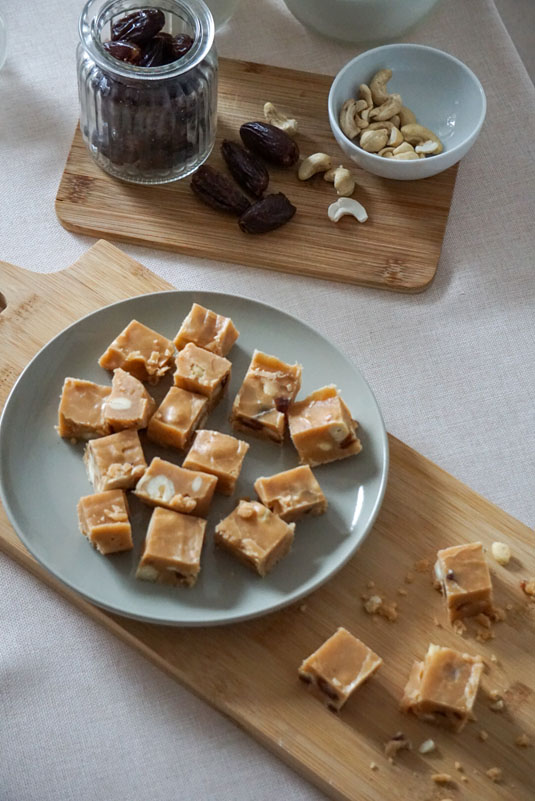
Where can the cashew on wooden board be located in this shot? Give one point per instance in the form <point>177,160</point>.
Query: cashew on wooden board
<point>347,205</point>
<point>382,124</point>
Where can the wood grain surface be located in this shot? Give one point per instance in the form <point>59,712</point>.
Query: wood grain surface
<point>248,671</point>
<point>398,248</point>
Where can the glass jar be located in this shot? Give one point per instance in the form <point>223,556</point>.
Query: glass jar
<point>148,125</point>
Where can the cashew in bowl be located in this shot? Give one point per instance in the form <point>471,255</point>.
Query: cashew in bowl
<point>373,141</point>
<point>406,116</point>
<point>280,120</point>
<point>418,134</point>
<point>317,162</point>
<point>347,205</point>
<point>366,95</point>
<point>427,147</point>
<point>387,109</point>
<point>378,88</point>
<point>347,119</point>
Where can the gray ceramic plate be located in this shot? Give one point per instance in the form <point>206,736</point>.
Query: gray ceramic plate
<point>42,476</point>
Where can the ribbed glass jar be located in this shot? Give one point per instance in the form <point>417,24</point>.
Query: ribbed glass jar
<point>148,125</point>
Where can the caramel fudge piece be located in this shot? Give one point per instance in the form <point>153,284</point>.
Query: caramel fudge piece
<point>81,410</point>
<point>463,574</point>
<point>292,494</point>
<point>443,688</point>
<point>268,389</point>
<point>115,461</point>
<point>172,551</point>
<point>140,351</point>
<point>208,330</point>
<point>338,667</point>
<point>103,519</point>
<point>129,405</point>
<point>198,370</point>
<point>255,536</point>
<point>177,417</point>
<point>218,454</point>
<point>187,491</point>
<point>322,429</point>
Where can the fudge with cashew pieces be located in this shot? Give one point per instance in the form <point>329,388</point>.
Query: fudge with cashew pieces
<point>140,351</point>
<point>255,536</point>
<point>200,371</point>
<point>115,461</point>
<point>292,493</point>
<point>81,410</point>
<point>269,387</point>
<point>442,689</point>
<point>103,519</point>
<point>338,667</point>
<point>322,428</point>
<point>129,405</point>
<point>464,578</point>
<point>172,550</point>
<point>218,454</point>
<point>175,420</point>
<point>208,330</point>
<point>175,488</point>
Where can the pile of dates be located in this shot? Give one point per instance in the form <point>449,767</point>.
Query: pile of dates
<point>138,39</point>
<point>261,142</point>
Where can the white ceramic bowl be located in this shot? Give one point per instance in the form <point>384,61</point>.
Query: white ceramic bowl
<point>443,93</point>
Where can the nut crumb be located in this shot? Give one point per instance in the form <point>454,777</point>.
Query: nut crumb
<point>372,604</point>
<point>375,605</point>
<point>483,735</point>
<point>498,614</point>
<point>494,695</point>
<point>303,608</point>
<point>493,658</point>
<point>509,607</point>
<point>437,622</point>
<point>497,706</point>
<point>459,627</point>
<point>528,587</point>
<point>402,591</point>
<point>484,635</point>
<point>483,620</point>
<point>427,746</point>
<point>421,566</point>
<point>501,552</point>
<point>374,766</point>
<point>409,578</point>
<point>523,741</point>
<point>397,743</point>
<point>494,774</point>
<point>464,779</point>
<point>370,585</point>
<point>458,766</point>
<point>441,778</point>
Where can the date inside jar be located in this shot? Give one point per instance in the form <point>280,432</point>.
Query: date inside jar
<point>138,39</point>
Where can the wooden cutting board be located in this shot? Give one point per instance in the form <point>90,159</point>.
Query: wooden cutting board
<point>398,248</point>
<point>248,671</point>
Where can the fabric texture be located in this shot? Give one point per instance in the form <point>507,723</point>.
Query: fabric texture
<point>81,715</point>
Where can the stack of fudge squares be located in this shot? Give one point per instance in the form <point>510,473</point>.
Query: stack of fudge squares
<point>258,533</point>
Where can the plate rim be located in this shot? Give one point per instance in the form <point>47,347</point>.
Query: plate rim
<point>237,618</point>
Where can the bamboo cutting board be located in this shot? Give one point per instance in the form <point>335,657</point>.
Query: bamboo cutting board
<point>398,248</point>
<point>248,671</point>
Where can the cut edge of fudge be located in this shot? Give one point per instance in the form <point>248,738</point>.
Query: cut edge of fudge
<point>226,479</point>
<point>461,600</point>
<point>150,367</point>
<point>170,568</point>
<point>121,473</point>
<point>159,489</point>
<point>114,527</point>
<point>68,426</point>
<point>220,338</point>
<point>292,506</point>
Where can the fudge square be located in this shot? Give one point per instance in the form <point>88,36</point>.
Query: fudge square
<point>464,577</point>
<point>198,370</point>
<point>322,429</point>
<point>140,351</point>
<point>338,667</point>
<point>179,414</point>
<point>255,536</point>
<point>165,484</point>
<point>443,688</point>
<point>292,493</point>
<point>172,551</point>
<point>81,410</point>
<point>115,461</point>
<point>218,454</point>
<point>103,519</point>
<point>268,389</point>
<point>129,405</point>
<point>208,330</point>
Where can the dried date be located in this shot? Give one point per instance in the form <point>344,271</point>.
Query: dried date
<point>138,27</point>
<point>267,214</point>
<point>180,46</point>
<point>158,51</point>
<point>124,51</point>
<point>246,168</point>
<point>269,142</point>
<point>218,191</point>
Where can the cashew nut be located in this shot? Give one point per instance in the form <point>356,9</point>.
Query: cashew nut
<point>366,95</point>
<point>348,114</point>
<point>387,152</point>
<point>280,120</point>
<point>404,147</point>
<point>406,116</point>
<point>317,162</point>
<point>378,87</point>
<point>347,205</point>
<point>407,156</point>
<point>344,183</point>
<point>387,109</point>
<point>396,137</point>
<point>329,175</point>
<point>395,120</point>
<point>418,134</point>
<point>427,147</point>
<point>373,141</point>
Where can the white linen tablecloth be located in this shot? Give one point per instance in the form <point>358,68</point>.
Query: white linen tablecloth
<point>81,715</point>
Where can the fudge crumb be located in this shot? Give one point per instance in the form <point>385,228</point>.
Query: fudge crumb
<point>458,766</point>
<point>509,607</point>
<point>374,766</point>
<point>528,587</point>
<point>372,604</point>
<point>421,566</point>
<point>523,741</point>
<point>409,578</point>
<point>501,553</point>
<point>397,743</point>
<point>483,620</point>
<point>375,605</point>
<point>437,622</point>
<point>370,585</point>
<point>483,735</point>
<point>459,627</point>
<point>441,778</point>
<point>402,591</point>
<point>484,635</point>
<point>494,774</point>
<point>464,779</point>
<point>493,658</point>
<point>303,608</point>
<point>497,706</point>
<point>498,614</point>
<point>494,695</point>
<point>427,746</point>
